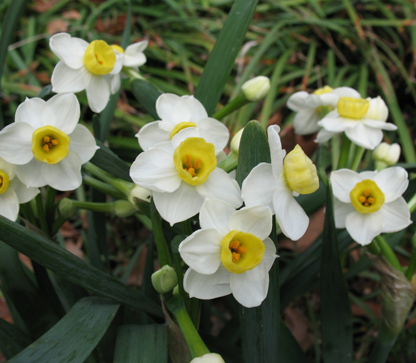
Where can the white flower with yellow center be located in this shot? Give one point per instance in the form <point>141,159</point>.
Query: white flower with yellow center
<point>179,114</point>
<point>312,107</point>
<point>231,253</point>
<point>12,191</point>
<point>362,120</point>
<point>370,203</point>
<point>182,173</point>
<point>275,185</point>
<point>46,143</point>
<point>91,66</point>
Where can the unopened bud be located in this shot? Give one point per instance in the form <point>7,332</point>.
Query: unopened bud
<point>123,208</point>
<point>165,279</point>
<point>67,208</point>
<point>388,154</point>
<point>300,172</point>
<point>209,358</point>
<point>257,88</point>
<point>139,193</point>
<point>235,142</point>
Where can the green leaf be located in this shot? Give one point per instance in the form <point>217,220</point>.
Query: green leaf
<point>224,53</point>
<point>74,337</point>
<point>12,339</point>
<point>72,268</point>
<point>141,343</point>
<point>335,306</point>
<point>146,94</point>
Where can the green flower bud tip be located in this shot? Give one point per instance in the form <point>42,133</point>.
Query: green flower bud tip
<point>123,208</point>
<point>67,207</point>
<point>257,88</point>
<point>388,154</point>
<point>208,358</point>
<point>165,279</point>
<point>235,142</point>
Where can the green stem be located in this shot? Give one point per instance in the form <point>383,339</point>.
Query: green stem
<point>345,152</point>
<point>41,214</point>
<point>96,207</point>
<point>382,347</point>
<point>132,73</point>
<point>160,240</point>
<point>374,248</point>
<point>359,153</point>
<point>230,162</point>
<point>412,204</point>
<point>103,187</point>
<point>196,346</point>
<point>388,252</point>
<point>230,107</point>
<point>412,262</point>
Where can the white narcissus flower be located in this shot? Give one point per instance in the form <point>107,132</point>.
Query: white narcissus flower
<point>46,143</point>
<point>208,358</point>
<point>178,114</point>
<point>312,107</point>
<point>182,173</point>
<point>362,120</point>
<point>12,191</point>
<point>275,185</point>
<point>370,203</point>
<point>93,66</point>
<point>231,253</point>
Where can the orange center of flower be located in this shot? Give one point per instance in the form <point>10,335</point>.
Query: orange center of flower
<point>237,250</point>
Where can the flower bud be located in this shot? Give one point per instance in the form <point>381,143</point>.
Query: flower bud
<point>140,193</point>
<point>300,172</point>
<point>235,142</point>
<point>388,154</point>
<point>165,279</point>
<point>257,88</point>
<point>208,358</point>
<point>67,208</point>
<point>123,208</point>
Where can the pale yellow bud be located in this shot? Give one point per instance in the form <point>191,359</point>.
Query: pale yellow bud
<point>300,172</point>
<point>165,279</point>
<point>140,193</point>
<point>257,88</point>
<point>123,208</point>
<point>235,142</point>
<point>67,207</point>
<point>209,358</point>
<point>388,154</point>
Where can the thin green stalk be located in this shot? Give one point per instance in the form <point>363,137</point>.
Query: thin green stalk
<point>103,187</point>
<point>160,240</point>
<point>230,162</point>
<point>412,262</point>
<point>345,153</point>
<point>359,153</point>
<point>230,107</point>
<point>93,206</point>
<point>41,214</point>
<point>388,252</point>
<point>412,204</point>
<point>196,346</point>
<point>374,248</point>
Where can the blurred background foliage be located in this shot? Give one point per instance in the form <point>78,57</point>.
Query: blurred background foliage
<point>300,45</point>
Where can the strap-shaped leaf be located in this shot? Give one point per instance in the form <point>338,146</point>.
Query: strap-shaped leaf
<point>72,268</point>
<point>335,306</point>
<point>222,57</point>
<point>12,339</point>
<point>146,94</point>
<point>141,343</point>
<point>75,336</point>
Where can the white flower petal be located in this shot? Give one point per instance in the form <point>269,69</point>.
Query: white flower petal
<point>259,186</point>
<point>207,287</point>
<point>323,136</point>
<point>269,253</point>
<point>396,215</point>
<point>65,175</point>
<point>215,214</point>
<point>201,251</point>
<point>154,169</point>
<point>291,217</point>
<point>83,143</point>
<point>7,168</point>
<point>346,92</point>
<point>24,193</point>
<point>31,174</point>
<point>341,211</point>
<point>368,175</point>
<point>117,66</point>
<point>151,134</point>
<point>135,60</point>
<point>250,288</point>
<point>366,137</point>
<point>377,110</point>
<point>334,123</point>
<point>9,204</point>
<point>216,131</point>
<point>98,92</point>
<point>392,182</point>
<point>69,50</point>
<point>256,220</point>
<point>30,112</point>
<point>65,79</point>
<point>296,102</point>
<point>61,111</point>
<point>115,83</point>
<point>219,185</point>
<point>306,122</point>
<point>343,181</point>
<point>277,154</point>
<point>179,205</point>
<point>16,143</point>
<point>198,111</point>
<point>363,227</point>
<point>173,109</point>
<point>379,125</point>
<point>136,47</point>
